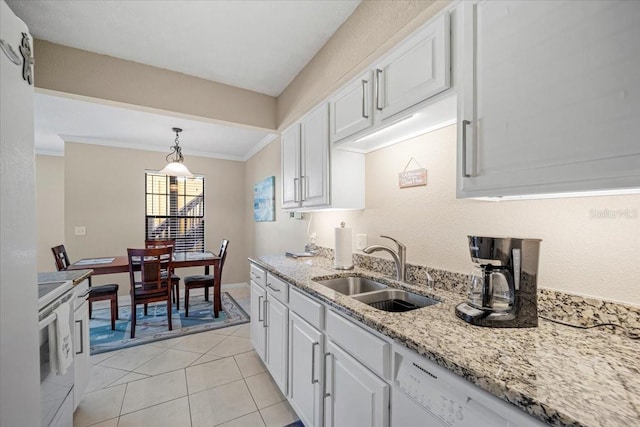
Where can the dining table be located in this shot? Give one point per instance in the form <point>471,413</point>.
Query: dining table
<point>120,264</point>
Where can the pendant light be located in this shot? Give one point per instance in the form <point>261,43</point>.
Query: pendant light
<point>175,167</point>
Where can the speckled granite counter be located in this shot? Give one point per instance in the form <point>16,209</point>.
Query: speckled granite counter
<point>76,276</point>
<point>558,374</point>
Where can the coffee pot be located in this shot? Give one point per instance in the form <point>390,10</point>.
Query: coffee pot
<point>502,289</point>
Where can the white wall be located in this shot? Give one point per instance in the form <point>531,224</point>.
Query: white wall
<point>579,253</point>
<point>49,208</point>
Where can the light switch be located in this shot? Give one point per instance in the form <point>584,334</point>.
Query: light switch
<point>80,231</point>
<point>361,241</point>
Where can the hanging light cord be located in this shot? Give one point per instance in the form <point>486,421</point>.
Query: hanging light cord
<point>176,148</point>
<point>631,333</point>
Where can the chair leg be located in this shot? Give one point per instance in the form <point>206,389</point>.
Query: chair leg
<point>90,310</point>
<point>133,320</point>
<point>145,309</point>
<point>206,293</point>
<point>217,302</point>
<point>169,305</point>
<point>176,288</point>
<point>113,303</point>
<point>117,308</point>
<point>186,301</point>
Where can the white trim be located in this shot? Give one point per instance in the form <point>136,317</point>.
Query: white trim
<point>259,146</point>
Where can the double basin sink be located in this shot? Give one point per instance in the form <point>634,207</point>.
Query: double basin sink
<point>376,294</point>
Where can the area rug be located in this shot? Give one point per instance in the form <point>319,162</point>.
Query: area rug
<point>153,327</point>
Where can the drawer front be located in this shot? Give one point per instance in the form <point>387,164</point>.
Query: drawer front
<point>258,275</point>
<point>278,288</point>
<point>364,346</point>
<point>307,308</point>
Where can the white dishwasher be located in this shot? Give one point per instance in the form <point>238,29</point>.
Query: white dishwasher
<point>425,394</point>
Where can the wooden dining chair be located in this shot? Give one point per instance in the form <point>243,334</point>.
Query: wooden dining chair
<point>96,293</point>
<point>150,282</point>
<point>205,281</point>
<point>175,279</point>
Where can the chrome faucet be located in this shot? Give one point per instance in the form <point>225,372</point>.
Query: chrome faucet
<point>399,256</point>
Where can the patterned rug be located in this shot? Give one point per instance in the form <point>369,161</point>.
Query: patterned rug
<point>153,327</point>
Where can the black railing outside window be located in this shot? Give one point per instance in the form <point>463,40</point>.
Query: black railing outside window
<point>174,209</point>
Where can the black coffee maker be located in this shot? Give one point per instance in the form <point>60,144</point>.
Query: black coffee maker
<point>502,290</point>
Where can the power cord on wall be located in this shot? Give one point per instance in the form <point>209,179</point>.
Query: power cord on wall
<point>631,333</point>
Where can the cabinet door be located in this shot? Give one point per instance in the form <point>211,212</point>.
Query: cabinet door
<point>290,147</point>
<point>81,349</point>
<point>305,359</point>
<point>553,106</point>
<point>350,110</point>
<point>257,327</point>
<point>356,396</point>
<point>277,324</point>
<point>314,175</point>
<point>415,71</point>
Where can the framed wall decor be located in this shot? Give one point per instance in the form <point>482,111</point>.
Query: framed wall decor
<point>264,200</point>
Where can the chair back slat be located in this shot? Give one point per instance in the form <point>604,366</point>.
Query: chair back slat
<point>61,258</point>
<point>152,266</point>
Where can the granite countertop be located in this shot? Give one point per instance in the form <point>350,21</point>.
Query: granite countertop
<point>76,276</point>
<point>560,375</point>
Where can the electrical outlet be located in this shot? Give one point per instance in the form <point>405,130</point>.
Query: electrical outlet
<point>80,231</point>
<point>361,241</point>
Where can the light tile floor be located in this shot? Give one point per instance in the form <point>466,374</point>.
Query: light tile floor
<point>208,379</point>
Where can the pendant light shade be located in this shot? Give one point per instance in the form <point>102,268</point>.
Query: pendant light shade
<point>176,167</point>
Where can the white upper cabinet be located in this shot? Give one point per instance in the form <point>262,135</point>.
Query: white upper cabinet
<point>351,109</point>
<point>314,168</point>
<point>416,70</point>
<point>314,175</point>
<point>550,97</point>
<point>290,147</point>
<point>413,72</point>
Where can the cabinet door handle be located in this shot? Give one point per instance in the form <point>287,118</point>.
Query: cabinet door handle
<point>259,306</point>
<point>365,83</point>
<point>313,362</point>
<point>378,90</point>
<point>465,123</point>
<point>303,188</point>
<point>295,189</point>
<point>264,313</point>
<point>272,288</point>
<point>324,367</point>
<point>81,336</point>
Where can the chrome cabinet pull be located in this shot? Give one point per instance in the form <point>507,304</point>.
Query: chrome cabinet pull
<point>378,90</point>
<point>295,189</point>
<point>465,123</point>
<point>259,304</point>
<point>81,337</point>
<point>272,288</point>
<point>264,315</point>
<point>303,188</point>
<point>313,362</point>
<point>365,83</point>
<point>324,367</point>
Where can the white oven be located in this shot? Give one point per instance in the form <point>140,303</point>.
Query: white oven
<point>56,391</point>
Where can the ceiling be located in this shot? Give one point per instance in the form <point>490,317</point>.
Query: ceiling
<point>256,45</point>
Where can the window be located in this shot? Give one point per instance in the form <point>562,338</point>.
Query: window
<point>174,209</point>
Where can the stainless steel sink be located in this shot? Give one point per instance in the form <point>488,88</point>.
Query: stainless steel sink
<point>352,285</point>
<point>395,300</point>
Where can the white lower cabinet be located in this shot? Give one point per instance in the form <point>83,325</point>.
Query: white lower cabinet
<point>277,322</point>
<point>82,365</point>
<point>355,396</point>
<point>306,347</point>
<point>257,328</point>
